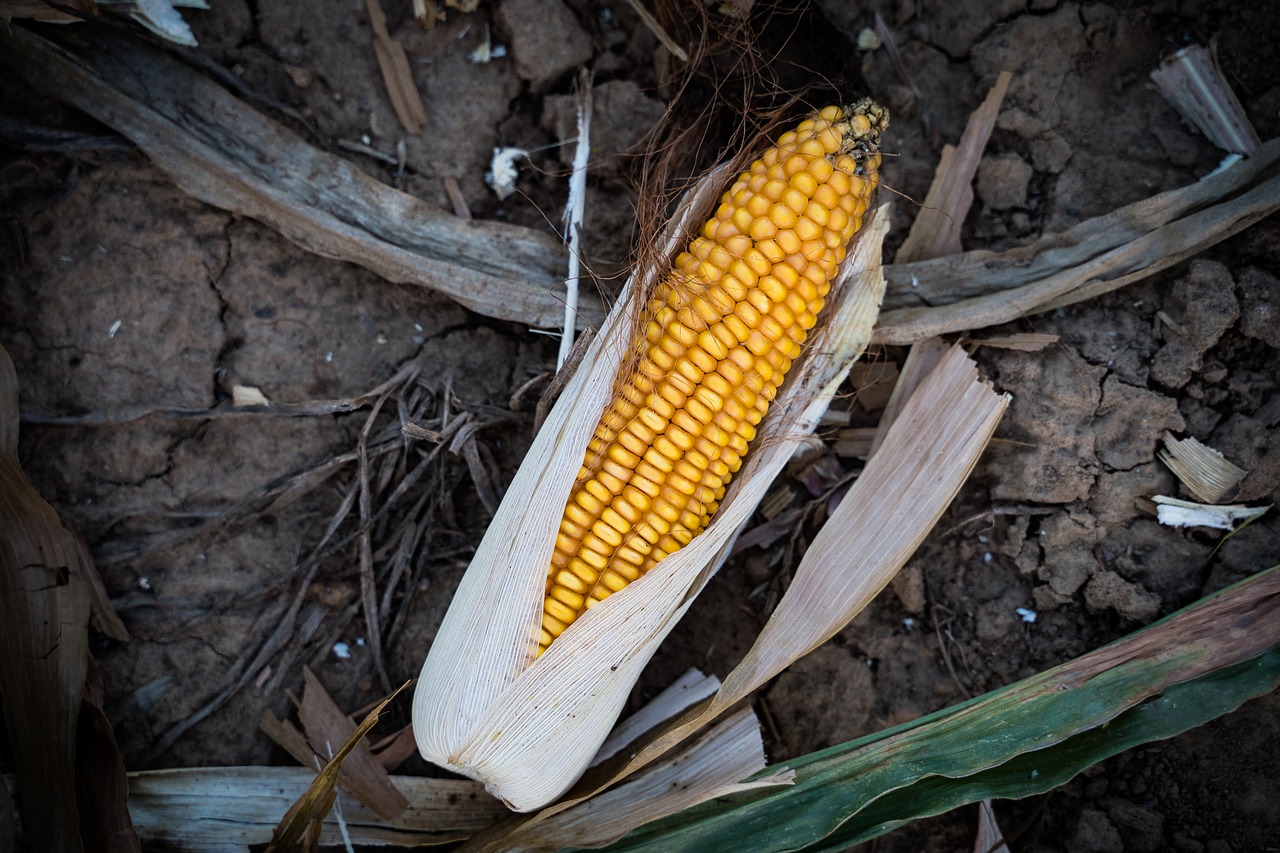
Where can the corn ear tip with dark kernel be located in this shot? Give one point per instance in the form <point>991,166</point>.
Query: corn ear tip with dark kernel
<point>725,328</point>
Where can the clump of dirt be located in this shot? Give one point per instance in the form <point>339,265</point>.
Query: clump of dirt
<point>132,310</point>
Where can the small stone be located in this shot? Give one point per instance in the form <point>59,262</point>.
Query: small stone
<point>901,101</point>
<point>545,39</point>
<point>1141,829</point>
<point>1047,600</point>
<point>1178,144</point>
<point>1017,121</point>
<point>1003,181</point>
<point>1028,558</point>
<point>1184,843</point>
<point>1259,305</point>
<point>1095,834</point>
<point>1050,153</point>
<point>908,585</point>
<point>1109,591</point>
<point>1068,558</point>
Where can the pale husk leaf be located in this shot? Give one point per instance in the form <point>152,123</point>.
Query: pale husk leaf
<point>215,808</point>
<point>527,728</point>
<point>1204,471</point>
<point>937,439</point>
<point>710,767</point>
<point>936,229</point>
<point>686,691</point>
<point>44,641</point>
<point>1192,81</point>
<point>902,492</point>
<point>1179,513</point>
<point>989,838</point>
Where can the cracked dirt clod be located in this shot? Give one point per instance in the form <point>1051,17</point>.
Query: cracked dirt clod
<point>1055,399</point>
<point>1203,305</point>
<point>1130,423</point>
<point>1259,305</point>
<point>91,345</point>
<point>1251,445</point>
<point>1003,181</point>
<point>828,693</point>
<point>546,40</point>
<point>1068,556</point>
<point>1095,833</point>
<point>1108,591</point>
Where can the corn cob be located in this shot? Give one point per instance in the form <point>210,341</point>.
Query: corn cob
<point>724,328</point>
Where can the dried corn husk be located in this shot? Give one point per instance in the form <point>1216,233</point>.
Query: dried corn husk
<point>159,16</point>
<point>230,808</point>
<point>1205,472</point>
<point>936,229</point>
<point>528,728</point>
<point>710,767</point>
<point>1194,84</point>
<point>1179,513</point>
<point>939,435</point>
<point>44,643</point>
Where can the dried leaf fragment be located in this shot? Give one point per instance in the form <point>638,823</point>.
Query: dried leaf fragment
<point>393,62</point>
<point>1020,342</point>
<point>1179,513</point>
<point>302,826</point>
<point>326,726</point>
<point>162,18</point>
<point>44,649</point>
<point>936,230</point>
<point>1193,83</point>
<point>1205,472</point>
<point>713,765</point>
<point>215,808</point>
<point>248,395</point>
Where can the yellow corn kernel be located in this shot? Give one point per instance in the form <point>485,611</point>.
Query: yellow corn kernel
<point>726,325</point>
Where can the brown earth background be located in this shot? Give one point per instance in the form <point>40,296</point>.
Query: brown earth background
<point>119,293</point>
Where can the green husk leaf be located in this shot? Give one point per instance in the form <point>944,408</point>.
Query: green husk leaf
<point>1179,709</point>
<point>1200,663</point>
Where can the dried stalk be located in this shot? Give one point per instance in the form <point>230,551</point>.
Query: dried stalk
<point>225,153</point>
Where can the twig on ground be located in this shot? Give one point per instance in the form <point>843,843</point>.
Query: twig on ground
<point>235,158</point>
<point>656,28</point>
<point>241,673</point>
<point>368,585</point>
<point>393,62</point>
<point>891,47</point>
<point>1095,257</point>
<point>574,214</point>
<point>936,229</point>
<point>302,408</point>
<point>562,377</point>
